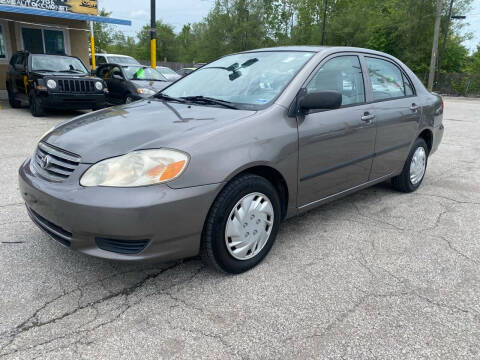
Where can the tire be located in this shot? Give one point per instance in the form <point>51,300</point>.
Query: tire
<point>128,99</point>
<point>14,104</point>
<point>214,249</point>
<point>36,108</point>
<point>404,182</point>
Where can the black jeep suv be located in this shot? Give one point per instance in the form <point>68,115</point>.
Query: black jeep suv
<point>52,81</point>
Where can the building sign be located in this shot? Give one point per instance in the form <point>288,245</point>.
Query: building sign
<point>74,6</point>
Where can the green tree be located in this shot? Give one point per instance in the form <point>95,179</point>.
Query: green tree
<point>166,42</point>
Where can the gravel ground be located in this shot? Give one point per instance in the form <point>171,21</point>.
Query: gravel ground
<point>377,275</point>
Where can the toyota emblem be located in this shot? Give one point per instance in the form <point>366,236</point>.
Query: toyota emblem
<point>45,162</point>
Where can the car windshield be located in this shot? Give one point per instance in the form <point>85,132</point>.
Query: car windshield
<point>122,60</point>
<point>167,71</point>
<point>143,73</point>
<point>58,64</point>
<point>254,78</point>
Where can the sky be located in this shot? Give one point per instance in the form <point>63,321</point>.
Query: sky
<point>180,12</point>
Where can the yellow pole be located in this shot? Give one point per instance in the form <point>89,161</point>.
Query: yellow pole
<point>92,46</point>
<point>153,53</point>
<point>153,35</point>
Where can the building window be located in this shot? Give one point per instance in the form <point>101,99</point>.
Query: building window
<point>3,44</point>
<point>43,41</point>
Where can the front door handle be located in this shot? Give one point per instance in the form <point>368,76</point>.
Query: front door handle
<point>414,107</point>
<point>367,117</point>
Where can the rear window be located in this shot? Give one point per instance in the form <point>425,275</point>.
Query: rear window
<point>386,78</point>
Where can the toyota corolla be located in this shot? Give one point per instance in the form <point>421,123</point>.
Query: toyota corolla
<point>212,164</point>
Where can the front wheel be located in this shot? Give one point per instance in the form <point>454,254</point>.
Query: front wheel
<point>35,107</point>
<point>128,99</point>
<point>242,225</point>
<point>414,169</point>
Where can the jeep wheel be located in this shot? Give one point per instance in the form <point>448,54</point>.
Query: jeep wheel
<point>36,108</point>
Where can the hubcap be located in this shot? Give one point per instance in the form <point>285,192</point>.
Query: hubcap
<point>418,165</point>
<point>249,226</point>
<point>128,100</point>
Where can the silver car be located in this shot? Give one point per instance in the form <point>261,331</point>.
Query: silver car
<point>212,164</point>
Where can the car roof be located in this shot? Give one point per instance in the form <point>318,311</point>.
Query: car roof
<point>113,55</point>
<point>29,53</point>
<point>318,49</point>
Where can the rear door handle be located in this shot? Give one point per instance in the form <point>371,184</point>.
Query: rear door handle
<point>367,117</point>
<point>414,107</point>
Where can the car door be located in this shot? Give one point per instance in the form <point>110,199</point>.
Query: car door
<point>336,146</point>
<point>115,81</point>
<point>398,114</point>
<point>102,73</point>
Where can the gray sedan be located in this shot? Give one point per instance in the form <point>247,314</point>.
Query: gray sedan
<point>212,164</point>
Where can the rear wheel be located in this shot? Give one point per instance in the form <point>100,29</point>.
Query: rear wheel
<point>11,99</point>
<point>35,107</point>
<point>414,169</point>
<point>242,225</point>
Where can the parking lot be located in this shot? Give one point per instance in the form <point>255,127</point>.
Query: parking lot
<point>377,275</point>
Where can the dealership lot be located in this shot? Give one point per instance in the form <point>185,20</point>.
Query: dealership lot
<point>379,274</point>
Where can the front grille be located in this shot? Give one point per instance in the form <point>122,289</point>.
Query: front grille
<point>76,86</point>
<point>54,164</point>
<point>128,247</point>
<point>54,231</point>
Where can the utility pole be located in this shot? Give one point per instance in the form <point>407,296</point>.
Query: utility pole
<point>92,46</point>
<point>445,35</point>
<point>153,36</point>
<point>325,4</point>
<point>436,33</point>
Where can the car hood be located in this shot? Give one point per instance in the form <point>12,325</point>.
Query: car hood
<point>62,74</point>
<point>145,124</point>
<point>152,85</point>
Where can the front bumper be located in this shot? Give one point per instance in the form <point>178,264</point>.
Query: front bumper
<point>71,101</point>
<point>171,220</point>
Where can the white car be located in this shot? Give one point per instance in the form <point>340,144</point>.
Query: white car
<point>168,73</point>
<point>101,59</point>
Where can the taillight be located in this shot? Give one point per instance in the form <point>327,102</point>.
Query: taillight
<point>443,106</point>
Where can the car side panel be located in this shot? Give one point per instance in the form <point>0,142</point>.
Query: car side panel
<point>268,138</point>
<point>397,127</point>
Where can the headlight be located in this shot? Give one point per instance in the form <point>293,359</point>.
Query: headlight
<point>138,168</point>
<point>99,86</point>
<point>146,91</point>
<point>51,84</point>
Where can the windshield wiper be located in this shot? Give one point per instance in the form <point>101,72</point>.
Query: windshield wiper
<point>209,100</point>
<point>73,71</point>
<point>44,70</point>
<point>168,98</point>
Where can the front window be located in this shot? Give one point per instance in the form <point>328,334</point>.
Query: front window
<point>255,78</point>
<point>122,60</point>
<point>58,64</point>
<point>342,74</point>
<point>143,73</point>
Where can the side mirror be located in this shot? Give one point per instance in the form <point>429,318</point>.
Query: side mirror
<point>320,100</point>
<point>118,77</point>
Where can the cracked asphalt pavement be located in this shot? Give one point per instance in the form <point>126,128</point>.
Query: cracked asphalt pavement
<point>376,275</point>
